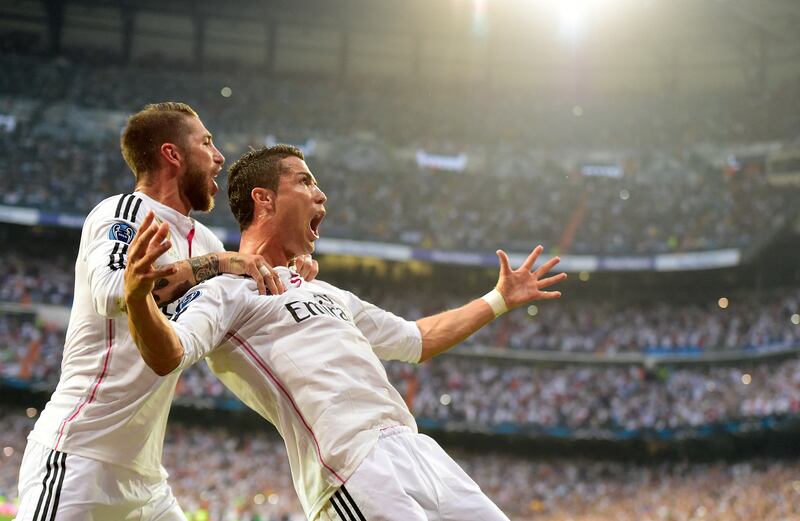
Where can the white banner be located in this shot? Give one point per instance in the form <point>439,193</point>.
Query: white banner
<point>441,162</point>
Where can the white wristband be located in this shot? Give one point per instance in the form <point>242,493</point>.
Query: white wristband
<point>496,302</point>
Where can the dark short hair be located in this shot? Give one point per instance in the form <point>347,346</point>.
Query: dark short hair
<point>148,129</point>
<point>257,168</point>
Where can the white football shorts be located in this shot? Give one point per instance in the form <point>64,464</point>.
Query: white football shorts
<point>55,486</point>
<point>409,477</point>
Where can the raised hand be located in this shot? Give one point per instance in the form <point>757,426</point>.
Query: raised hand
<point>147,246</point>
<point>522,285</point>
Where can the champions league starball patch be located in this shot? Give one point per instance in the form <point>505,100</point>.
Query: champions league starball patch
<point>184,302</point>
<point>121,232</point>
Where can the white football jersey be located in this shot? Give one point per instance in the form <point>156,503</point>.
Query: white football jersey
<point>307,361</point>
<point>109,405</point>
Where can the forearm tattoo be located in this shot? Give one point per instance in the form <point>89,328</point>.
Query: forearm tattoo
<point>159,285</point>
<point>204,267</point>
<point>181,288</point>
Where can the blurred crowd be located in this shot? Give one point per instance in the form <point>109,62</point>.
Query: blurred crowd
<point>596,401</point>
<point>224,474</point>
<point>519,189</point>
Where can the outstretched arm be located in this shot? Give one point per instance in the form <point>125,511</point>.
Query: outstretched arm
<point>157,342</point>
<point>514,288</point>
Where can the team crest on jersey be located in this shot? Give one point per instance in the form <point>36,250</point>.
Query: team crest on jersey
<point>121,232</point>
<point>184,302</point>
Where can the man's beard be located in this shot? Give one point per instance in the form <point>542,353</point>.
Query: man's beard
<point>196,189</point>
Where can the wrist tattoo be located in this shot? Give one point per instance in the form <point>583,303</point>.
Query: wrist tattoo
<point>204,267</point>
<point>236,264</point>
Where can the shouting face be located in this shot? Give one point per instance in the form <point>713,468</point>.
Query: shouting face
<point>299,207</point>
<point>203,164</point>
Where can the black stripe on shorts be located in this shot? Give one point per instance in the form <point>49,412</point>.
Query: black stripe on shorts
<point>344,504</point>
<point>51,487</point>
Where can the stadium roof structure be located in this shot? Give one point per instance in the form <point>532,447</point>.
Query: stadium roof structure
<point>615,45</point>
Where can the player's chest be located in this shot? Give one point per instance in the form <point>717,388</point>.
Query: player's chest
<point>308,306</point>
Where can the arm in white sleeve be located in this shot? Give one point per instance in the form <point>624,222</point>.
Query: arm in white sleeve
<point>110,228</point>
<point>391,337</point>
<point>201,320</point>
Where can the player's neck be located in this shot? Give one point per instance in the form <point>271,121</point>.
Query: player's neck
<point>166,194</point>
<point>262,242</point>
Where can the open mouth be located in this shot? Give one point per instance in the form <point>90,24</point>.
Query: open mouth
<point>316,220</point>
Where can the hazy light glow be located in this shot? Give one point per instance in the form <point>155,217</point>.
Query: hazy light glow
<point>445,399</point>
<point>723,302</point>
<point>574,15</point>
<point>533,310</point>
<point>746,379</point>
<point>480,23</point>
<point>795,319</point>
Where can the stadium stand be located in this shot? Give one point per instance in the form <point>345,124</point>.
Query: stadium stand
<point>618,199</point>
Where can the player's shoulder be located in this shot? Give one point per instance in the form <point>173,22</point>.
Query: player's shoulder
<point>323,285</point>
<point>231,285</point>
<point>329,288</point>
<point>217,291</point>
<point>130,207</point>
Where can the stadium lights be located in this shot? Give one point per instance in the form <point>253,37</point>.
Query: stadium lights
<point>573,16</point>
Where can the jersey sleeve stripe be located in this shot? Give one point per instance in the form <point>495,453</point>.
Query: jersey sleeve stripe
<point>253,355</point>
<point>111,257</point>
<point>119,206</point>
<point>136,209</point>
<point>128,207</point>
<point>121,262</point>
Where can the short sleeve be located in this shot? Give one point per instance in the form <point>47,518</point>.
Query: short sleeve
<point>110,228</point>
<point>391,337</point>
<point>205,315</point>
